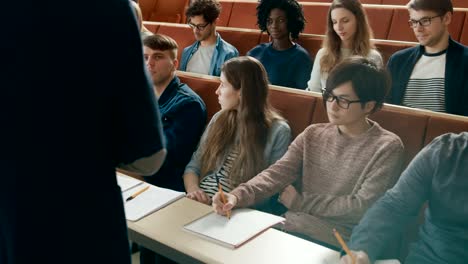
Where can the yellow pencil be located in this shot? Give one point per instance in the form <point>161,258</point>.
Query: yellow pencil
<point>223,199</point>
<point>344,246</point>
<point>137,193</point>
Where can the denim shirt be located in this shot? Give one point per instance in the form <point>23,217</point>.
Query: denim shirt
<point>183,116</point>
<point>223,52</point>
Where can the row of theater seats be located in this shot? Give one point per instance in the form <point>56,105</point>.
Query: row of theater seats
<point>415,127</point>
<point>163,10</point>
<point>246,39</point>
<point>387,22</point>
<point>174,10</point>
<point>455,3</point>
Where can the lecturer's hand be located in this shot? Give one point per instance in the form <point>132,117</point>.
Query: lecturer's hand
<point>361,258</point>
<point>287,196</point>
<point>200,196</point>
<point>222,208</point>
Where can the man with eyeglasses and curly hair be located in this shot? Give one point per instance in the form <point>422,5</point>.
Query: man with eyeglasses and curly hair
<point>210,51</point>
<point>432,74</point>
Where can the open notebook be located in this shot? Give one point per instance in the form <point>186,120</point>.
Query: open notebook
<point>126,182</point>
<point>148,201</point>
<point>243,226</point>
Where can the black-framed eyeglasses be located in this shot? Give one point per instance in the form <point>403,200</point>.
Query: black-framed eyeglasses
<point>341,102</point>
<point>199,27</point>
<point>424,22</point>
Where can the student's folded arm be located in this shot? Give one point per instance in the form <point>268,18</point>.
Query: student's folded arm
<point>273,179</point>
<point>389,216</point>
<point>146,166</point>
<point>378,177</point>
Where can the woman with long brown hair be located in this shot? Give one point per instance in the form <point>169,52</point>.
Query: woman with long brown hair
<point>348,33</point>
<point>242,139</point>
<point>332,172</point>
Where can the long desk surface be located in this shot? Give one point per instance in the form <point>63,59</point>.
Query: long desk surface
<point>163,232</point>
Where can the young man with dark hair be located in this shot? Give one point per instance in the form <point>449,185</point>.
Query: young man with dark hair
<point>210,51</point>
<point>183,113</point>
<point>431,75</point>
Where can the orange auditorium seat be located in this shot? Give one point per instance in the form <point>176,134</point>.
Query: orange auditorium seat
<point>379,20</point>
<point>181,33</point>
<point>375,2</point>
<point>388,47</point>
<point>399,29</point>
<point>464,34</point>
<point>151,26</point>
<point>316,16</point>
<point>395,2</point>
<point>316,1</point>
<point>439,125</point>
<point>226,8</point>
<point>244,15</point>
<point>409,125</point>
<point>312,43</point>
<point>164,10</point>
<point>205,87</point>
<point>297,109</point>
<point>243,39</point>
<point>460,3</point>
<point>147,7</point>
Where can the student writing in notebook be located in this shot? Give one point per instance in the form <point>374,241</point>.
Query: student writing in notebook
<point>339,168</point>
<point>438,175</point>
<point>242,139</point>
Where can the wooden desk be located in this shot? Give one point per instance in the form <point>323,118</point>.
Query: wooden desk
<point>163,232</point>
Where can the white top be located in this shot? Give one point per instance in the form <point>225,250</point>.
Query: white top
<point>317,80</point>
<point>201,60</point>
<point>426,86</point>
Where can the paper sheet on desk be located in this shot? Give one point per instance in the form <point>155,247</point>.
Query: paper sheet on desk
<point>243,225</point>
<point>148,201</point>
<point>126,182</point>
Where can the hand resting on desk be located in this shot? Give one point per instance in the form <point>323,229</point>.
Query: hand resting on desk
<point>200,196</point>
<point>221,208</point>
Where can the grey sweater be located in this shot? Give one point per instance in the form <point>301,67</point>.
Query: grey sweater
<point>278,140</point>
<point>439,175</point>
<point>338,178</point>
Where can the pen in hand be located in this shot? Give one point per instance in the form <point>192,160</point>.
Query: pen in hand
<point>137,193</point>
<point>344,246</point>
<point>223,198</point>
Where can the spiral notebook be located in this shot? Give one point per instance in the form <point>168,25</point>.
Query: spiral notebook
<point>244,225</point>
<point>148,201</point>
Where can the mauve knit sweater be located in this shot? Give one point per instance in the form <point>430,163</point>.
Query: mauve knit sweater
<point>338,178</point>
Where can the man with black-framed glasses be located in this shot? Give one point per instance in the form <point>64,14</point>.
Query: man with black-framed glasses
<point>210,51</point>
<point>432,74</point>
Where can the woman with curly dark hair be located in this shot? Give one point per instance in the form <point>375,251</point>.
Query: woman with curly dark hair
<point>287,63</point>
